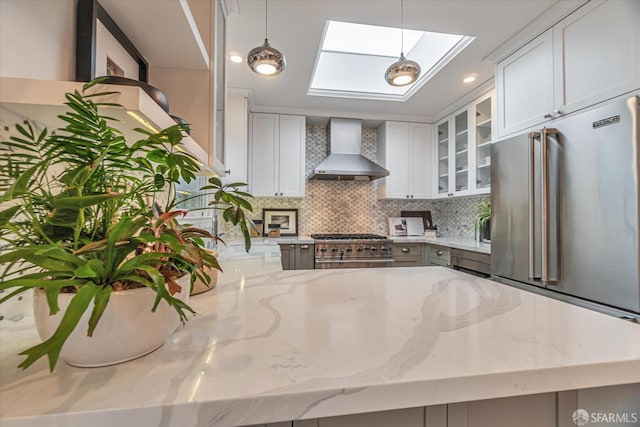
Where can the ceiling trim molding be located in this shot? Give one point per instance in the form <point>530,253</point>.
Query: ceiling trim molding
<point>231,7</point>
<point>543,22</point>
<point>247,93</point>
<point>340,113</point>
<point>484,88</point>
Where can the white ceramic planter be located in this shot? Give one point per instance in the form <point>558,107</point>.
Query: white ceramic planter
<point>127,330</point>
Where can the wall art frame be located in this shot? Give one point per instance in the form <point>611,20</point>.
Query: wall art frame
<point>287,218</point>
<point>88,13</point>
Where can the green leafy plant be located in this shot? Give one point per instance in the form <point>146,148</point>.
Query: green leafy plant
<point>83,211</point>
<point>483,212</point>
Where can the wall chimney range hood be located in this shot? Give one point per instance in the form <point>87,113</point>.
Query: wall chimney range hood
<point>344,162</point>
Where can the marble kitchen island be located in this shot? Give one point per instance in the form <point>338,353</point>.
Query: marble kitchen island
<point>271,345</point>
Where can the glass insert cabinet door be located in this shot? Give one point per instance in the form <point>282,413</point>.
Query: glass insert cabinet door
<point>483,121</point>
<point>443,158</point>
<point>461,122</point>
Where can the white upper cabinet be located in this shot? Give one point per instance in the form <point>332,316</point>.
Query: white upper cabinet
<point>462,152</point>
<point>596,54</point>
<point>277,155</point>
<point>590,56</point>
<point>235,135</point>
<point>405,150</point>
<point>524,86</point>
<point>292,156</point>
<point>420,160</point>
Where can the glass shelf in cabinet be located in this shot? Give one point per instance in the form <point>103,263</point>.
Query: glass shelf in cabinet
<point>484,124</point>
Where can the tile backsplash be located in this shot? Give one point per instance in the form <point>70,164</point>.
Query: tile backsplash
<point>353,207</point>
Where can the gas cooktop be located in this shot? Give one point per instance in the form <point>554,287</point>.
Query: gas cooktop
<point>347,236</point>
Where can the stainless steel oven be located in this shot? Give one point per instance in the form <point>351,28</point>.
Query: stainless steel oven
<point>351,251</point>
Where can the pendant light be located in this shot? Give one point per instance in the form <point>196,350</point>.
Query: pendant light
<point>404,71</point>
<point>266,60</point>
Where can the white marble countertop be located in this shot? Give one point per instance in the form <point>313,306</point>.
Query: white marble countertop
<point>269,345</point>
<point>460,243</point>
<point>451,242</point>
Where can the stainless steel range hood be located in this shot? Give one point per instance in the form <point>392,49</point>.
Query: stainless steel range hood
<point>344,161</point>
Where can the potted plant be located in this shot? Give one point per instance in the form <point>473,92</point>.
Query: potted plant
<point>89,220</point>
<point>483,220</point>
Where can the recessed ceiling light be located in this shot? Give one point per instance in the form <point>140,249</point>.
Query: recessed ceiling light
<point>235,58</point>
<point>469,79</point>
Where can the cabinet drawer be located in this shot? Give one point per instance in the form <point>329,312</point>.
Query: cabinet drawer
<point>407,252</point>
<point>474,261</point>
<point>439,255</point>
<point>472,256</point>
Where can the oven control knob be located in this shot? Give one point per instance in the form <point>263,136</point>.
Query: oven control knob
<point>373,249</point>
<point>334,250</point>
<point>323,249</point>
<point>384,249</point>
<point>359,249</point>
<point>366,248</point>
<point>349,249</point>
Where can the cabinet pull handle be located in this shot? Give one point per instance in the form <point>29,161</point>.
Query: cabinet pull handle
<point>439,253</point>
<point>405,250</point>
<point>532,206</point>
<point>546,279</point>
<point>304,246</point>
<point>548,115</point>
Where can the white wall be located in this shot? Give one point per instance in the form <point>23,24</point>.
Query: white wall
<point>37,39</point>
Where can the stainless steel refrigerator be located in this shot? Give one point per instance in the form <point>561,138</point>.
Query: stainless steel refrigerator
<point>565,207</point>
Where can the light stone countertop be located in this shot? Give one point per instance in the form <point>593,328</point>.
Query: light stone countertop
<point>269,345</point>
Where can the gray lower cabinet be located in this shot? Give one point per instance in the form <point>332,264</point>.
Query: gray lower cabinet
<point>297,256</point>
<point>412,417</point>
<point>522,411</point>
<point>534,410</point>
<point>471,261</point>
<point>408,254</point>
<point>439,255</point>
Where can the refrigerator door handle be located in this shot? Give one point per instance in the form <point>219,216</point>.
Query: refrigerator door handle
<point>545,206</point>
<point>532,205</point>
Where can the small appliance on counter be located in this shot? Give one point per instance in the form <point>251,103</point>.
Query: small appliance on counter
<point>273,230</point>
<point>257,232</point>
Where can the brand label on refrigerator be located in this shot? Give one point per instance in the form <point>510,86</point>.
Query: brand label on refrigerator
<point>607,121</point>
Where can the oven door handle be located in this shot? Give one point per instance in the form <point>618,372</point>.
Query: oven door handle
<point>348,261</point>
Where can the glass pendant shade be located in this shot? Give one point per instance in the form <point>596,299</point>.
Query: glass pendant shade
<point>266,60</point>
<point>403,72</point>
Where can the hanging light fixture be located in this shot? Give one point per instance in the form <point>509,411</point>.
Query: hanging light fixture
<point>266,60</point>
<point>404,71</point>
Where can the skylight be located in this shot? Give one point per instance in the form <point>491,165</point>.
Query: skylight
<point>354,57</point>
